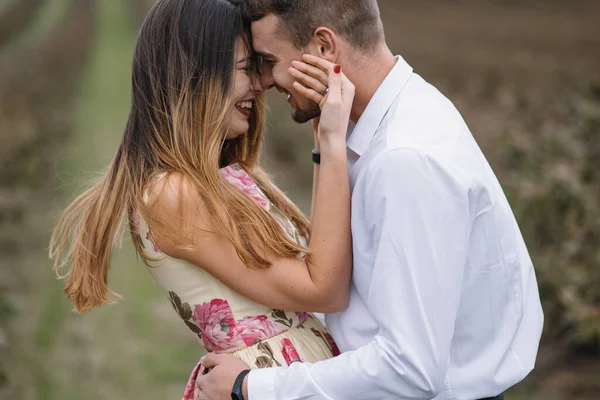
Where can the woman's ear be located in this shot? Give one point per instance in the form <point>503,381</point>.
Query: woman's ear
<point>324,44</point>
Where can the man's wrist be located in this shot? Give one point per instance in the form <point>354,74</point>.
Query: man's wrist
<point>237,391</point>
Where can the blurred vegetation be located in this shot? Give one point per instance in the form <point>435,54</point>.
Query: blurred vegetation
<point>16,17</point>
<point>553,181</point>
<point>524,74</point>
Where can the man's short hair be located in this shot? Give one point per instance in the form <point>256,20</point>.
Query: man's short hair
<point>357,21</point>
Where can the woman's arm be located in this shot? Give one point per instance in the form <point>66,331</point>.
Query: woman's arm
<point>315,125</point>
<point>321,281</point>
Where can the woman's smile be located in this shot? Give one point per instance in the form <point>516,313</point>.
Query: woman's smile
<point>245,107</point>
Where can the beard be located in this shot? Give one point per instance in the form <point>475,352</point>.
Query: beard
<point>302,115</point>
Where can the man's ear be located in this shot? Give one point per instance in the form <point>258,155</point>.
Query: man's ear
<point>324,44</point>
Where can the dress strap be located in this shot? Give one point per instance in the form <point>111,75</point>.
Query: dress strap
<point>236,175</point>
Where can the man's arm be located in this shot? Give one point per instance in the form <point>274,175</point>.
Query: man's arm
<point>420,225</point>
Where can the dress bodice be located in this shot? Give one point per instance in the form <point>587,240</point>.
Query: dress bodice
<point>225,321</point>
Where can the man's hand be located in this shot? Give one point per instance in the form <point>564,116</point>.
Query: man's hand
<point>217,384</point>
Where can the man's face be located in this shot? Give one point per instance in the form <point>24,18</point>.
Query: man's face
<point>278,53</point>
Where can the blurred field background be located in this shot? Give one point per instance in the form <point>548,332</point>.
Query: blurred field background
<point>525,74</point>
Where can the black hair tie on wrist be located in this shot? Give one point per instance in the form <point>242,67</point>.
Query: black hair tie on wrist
<point>316,156</point>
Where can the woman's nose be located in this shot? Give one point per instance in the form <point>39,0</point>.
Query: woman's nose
<point>256,82</point>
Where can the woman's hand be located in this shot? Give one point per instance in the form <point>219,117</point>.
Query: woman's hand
<point>323,82</point>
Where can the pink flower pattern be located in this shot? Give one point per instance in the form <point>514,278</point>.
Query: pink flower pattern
<point>302,317</point>
<point>254,329</point>
<point>220,332</point>
<point>290,354</point>
<point>190,388</point>
<point>334,349</point>
<point>238,177</point>
<point>150,238</point>
<point>218,326</point>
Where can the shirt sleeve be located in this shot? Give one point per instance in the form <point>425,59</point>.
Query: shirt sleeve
<point>418,215</point>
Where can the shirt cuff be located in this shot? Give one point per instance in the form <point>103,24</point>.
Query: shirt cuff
<point>261,384</point>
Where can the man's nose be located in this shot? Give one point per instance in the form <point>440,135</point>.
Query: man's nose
<point>266,78</point>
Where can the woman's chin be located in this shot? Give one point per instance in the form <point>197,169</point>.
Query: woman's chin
<point>235,135</point>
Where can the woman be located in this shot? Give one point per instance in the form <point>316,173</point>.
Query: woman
<point>228,248</point>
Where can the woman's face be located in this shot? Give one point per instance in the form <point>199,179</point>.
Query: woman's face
<point>246,86</point>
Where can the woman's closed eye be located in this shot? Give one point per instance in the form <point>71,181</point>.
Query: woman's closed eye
<point>250,66</point>
<point>268,59</point>
<point>247,64</point>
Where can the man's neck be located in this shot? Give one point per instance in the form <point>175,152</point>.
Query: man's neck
<point>367,77</point>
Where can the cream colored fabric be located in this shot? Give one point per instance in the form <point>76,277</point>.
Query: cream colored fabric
<point>225,321</point>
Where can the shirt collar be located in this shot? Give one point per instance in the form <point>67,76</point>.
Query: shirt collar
<point>359,135</point>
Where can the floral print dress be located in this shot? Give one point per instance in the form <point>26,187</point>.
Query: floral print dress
<point>223,320</point>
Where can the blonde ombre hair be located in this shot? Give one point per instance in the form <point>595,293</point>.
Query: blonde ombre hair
<point>182,79</point>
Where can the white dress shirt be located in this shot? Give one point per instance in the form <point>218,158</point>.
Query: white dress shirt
<point>444,301</point>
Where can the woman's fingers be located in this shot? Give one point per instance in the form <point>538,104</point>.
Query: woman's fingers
<point>315,72</point>
<point>320,63</point>
<point>335,85</point>
<point>321,81</point>
<point>311,81</point>
<point>334,118</point>
<point>307,80</point>
<point>334,92</point>
<point>310,94</point>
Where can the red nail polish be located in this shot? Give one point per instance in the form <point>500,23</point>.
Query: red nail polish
<point>337,69</point>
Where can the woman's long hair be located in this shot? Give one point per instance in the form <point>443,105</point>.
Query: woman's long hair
<point>183,72</point>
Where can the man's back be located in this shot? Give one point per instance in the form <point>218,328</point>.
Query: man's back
<point>443,283</point>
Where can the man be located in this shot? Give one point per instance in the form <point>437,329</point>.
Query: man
<point>444,301</point>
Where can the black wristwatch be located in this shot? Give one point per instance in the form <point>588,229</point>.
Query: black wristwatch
<point>316,156</point>
<point>236,392</point>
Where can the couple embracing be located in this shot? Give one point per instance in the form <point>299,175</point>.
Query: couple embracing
<point>412,260</point>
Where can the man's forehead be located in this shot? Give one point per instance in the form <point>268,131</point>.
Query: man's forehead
<point>265,32</point>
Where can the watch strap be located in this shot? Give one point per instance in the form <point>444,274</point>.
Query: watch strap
<point>236,391</point>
